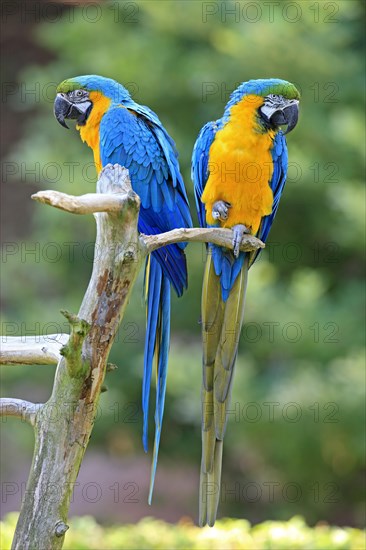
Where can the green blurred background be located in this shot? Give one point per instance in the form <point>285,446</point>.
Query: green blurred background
<point>294,443</point>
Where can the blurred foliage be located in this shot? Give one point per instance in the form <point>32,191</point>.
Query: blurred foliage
<point>86,534</point>
<point>303,341</point>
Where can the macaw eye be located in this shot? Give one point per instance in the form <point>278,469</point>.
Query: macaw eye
<point>79,93</point>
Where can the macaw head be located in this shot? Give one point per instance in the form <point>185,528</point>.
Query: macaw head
<point>76,97</point>
<point>280,104</point>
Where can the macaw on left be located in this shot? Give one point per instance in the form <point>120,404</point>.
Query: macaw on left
<point>119,130</point>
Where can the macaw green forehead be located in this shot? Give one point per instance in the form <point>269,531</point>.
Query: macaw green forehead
<point>68,86</point>
<point>94,83</point>
<point>271,86</point>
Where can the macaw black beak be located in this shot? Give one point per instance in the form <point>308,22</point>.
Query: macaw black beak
<point>288,114</point>
<point>63,108</point>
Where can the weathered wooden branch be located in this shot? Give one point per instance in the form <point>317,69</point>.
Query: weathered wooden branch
<point>32,350</point>
<point>94,202</point>
<point>72,351</point>
<point>64,423</point>
<point>25,410</point>
<point>221,237</point>
<point>85,204</point>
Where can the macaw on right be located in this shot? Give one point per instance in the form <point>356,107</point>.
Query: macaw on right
<point>239,168</point>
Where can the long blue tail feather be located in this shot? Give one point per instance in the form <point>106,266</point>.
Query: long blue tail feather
<point>163,337</point>
<point>156,349</point>
<point>153,277</point>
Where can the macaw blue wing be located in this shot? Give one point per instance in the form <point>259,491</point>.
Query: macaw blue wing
<point>277,183</point>
<point>138,144</point>
<point>135,138</point>
<point>200,166</point>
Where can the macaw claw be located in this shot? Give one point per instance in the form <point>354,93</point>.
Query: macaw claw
<point>220,210</point>
<point>238,232</point>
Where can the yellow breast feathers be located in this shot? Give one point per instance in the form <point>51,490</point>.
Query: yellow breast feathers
<point>90,131</point>
<point>241,167</point>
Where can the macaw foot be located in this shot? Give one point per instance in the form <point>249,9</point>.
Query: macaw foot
<point>220,210</point>
<point>238,232</point>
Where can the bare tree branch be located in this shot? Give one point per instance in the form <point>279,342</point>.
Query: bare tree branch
<point>113,202</point>
<point>32,350</point>
<point>85,204</point>
<point>63,430</point>
<point>25,410</point>
<point>72,350</point>
<point>215,235</point>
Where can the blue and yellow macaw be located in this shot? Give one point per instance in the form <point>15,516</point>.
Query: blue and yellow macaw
<point>239,167</point>
<point>118,130</point>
